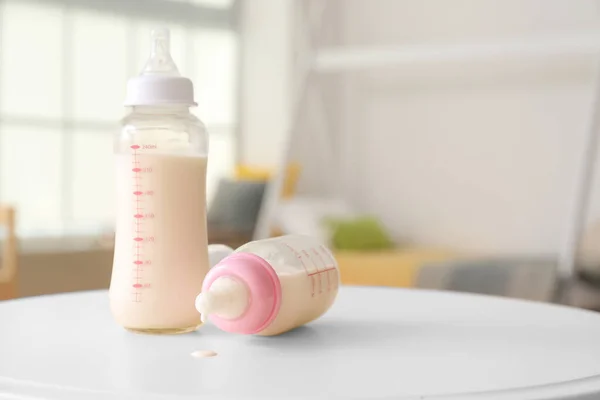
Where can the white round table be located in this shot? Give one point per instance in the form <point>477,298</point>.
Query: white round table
<point>373,344</point>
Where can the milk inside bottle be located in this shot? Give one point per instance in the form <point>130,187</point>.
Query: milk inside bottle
<point>161,154</point>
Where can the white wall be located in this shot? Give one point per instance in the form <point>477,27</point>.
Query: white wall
<point>265,78</point>
<point>474,156</point>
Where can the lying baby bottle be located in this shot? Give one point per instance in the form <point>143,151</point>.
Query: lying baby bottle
<point>271,286</point>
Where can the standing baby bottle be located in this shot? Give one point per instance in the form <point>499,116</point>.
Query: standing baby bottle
<point>161,153</point>
<point>271,286</point>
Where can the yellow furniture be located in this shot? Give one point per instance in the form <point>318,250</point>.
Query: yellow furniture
<point>255,173</point>
<point>8,268</point>
<point>393,268</point>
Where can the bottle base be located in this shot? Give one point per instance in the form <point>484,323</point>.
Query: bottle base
<point>164,331</point>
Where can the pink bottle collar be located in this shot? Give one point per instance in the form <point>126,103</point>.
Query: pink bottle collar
<point>264,291</point>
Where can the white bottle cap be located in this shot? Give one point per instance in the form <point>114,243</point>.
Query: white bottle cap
<point>160,82</point>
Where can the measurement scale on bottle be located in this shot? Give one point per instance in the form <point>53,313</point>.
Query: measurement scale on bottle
<point>318,264</point>
<point>143,237</point>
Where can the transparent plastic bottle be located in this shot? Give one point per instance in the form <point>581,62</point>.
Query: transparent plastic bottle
<point>271,286</point>
<point>161,254</point>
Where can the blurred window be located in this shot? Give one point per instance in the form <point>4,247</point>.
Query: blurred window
<point>62,86</point>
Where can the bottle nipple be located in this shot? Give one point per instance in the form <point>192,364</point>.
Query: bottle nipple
<point>160,82</point>
<point>160,60</point>
<point>205,305</point>
<point>227,298</point>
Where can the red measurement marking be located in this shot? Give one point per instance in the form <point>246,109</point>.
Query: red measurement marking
<point>322,271</point>
<point>316,267</point>
<point>140,217</point>
<point>137,192</point>
<point>316,253</point>
<point>299,257</point>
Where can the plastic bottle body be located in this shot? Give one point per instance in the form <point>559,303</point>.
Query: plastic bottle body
<point>160,255</point>
<point>296,281</point>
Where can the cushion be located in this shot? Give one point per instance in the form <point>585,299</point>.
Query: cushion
<point>361,233</point>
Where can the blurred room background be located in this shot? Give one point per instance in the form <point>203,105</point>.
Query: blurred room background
<point>431,143</point>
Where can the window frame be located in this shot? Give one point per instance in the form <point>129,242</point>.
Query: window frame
<point>183,13</point>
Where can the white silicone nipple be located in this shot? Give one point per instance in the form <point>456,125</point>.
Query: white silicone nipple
<point>160,60</point>
<point>160,83</point>
<point>204,305</point>
<point>227,298</point>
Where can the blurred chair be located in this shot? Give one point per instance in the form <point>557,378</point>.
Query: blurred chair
<point>234,210</point>
<point>8,265</point>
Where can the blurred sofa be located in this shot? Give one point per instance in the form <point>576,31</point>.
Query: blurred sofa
<point>393,267</point>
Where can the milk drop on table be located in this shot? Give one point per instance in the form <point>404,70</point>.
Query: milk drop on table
<point>271,286</point>
<point>161,153</point>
